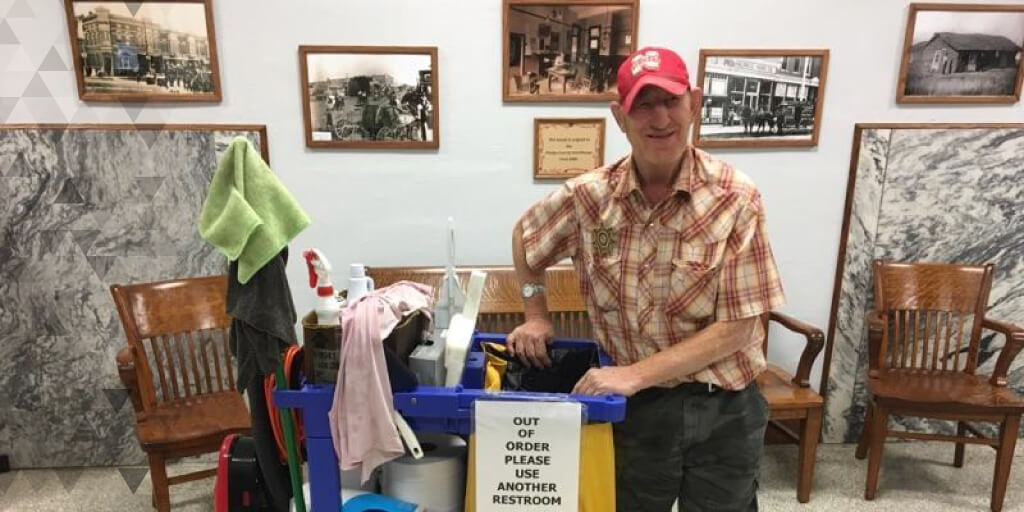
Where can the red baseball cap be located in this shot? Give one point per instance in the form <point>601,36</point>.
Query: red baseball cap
<point>660,67</point>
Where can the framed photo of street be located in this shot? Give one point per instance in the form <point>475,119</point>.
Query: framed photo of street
<point>563,148</point>
<point>153,50</point>
<point>565,50</point>
<point>761,98</point>
<point>962,53</point>
<point>382,97</point>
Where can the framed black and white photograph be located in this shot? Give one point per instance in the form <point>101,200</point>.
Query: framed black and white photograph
<point>962,53</point>
<point>565,50</point>
<point>761,98</point>
<point>154,50</point>
<point>370,96</point>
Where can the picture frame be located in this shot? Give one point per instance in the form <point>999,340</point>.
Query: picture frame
<point>370,97</point>
<point>147,51</point>
<point>962,53</point>
<point>585,70</point>
<point>760,97</point>
<point>567,147</point>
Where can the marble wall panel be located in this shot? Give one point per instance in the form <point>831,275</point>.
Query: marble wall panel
<point>927,194</point>
<point>83,208</point>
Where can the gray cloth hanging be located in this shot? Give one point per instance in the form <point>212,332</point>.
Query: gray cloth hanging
<point>262,318</point>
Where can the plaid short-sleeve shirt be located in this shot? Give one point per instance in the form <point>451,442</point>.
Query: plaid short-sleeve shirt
<point>654,275</point>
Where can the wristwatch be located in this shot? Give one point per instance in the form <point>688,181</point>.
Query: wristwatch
<point>531,289</point>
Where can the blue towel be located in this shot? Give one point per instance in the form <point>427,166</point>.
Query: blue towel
<point>377,503</point>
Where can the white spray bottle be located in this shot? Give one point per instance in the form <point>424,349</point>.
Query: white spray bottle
<point>328,309</point>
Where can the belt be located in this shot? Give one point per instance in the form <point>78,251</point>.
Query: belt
<point>698,388</point>
<point>686,388</point>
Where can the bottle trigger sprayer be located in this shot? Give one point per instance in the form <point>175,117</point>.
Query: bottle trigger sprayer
<point>328,309</point>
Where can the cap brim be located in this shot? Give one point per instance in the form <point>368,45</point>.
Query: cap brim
<point>671,86</point>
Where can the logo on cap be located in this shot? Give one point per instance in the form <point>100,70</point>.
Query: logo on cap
<point>650,60</point>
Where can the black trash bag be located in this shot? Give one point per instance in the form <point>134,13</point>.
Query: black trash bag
<point>399,344</point>
<point>401,377</point>
<point>568,365</point>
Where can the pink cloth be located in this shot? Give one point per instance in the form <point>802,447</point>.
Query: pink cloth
<point>361,415</point>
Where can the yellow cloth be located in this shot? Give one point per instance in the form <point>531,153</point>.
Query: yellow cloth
<point>597,452</point>
<point>494,370</point>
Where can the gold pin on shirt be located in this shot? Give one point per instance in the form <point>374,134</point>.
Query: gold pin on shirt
<point>604,241</point>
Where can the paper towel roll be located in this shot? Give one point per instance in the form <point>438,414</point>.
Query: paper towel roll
<point>437,482</point>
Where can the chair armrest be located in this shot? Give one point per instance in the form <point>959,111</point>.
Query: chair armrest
<point>875,327</point>
<point>812,347</point>
<point>1014,342</point>
<point>129,377</point>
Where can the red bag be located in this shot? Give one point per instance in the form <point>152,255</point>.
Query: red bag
<point>239,484</point>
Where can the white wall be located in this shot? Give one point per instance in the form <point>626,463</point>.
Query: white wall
<point>389,207</point>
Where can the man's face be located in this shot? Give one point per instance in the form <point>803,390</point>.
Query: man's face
<point>658,124</point>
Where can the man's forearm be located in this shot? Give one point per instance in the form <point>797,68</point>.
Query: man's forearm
<point>536,306</point>
<point>710,345</point>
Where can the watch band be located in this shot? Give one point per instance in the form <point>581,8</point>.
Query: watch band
<point>531,289</point>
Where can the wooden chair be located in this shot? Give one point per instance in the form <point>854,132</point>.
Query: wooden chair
<point>179,373</point>
<point>922,362</point>
<point>791,398</point>
<point>501,310</point>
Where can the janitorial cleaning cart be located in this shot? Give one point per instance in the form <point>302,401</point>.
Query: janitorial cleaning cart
<point>443,410</point>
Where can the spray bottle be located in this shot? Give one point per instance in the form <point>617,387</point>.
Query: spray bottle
<point>328,309</point>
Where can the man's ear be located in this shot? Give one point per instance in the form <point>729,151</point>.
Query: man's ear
<point>696,100</point>
<point>619,115</point>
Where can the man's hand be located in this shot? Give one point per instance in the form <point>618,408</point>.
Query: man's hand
<point>611,380</point>
<point>530,341</point>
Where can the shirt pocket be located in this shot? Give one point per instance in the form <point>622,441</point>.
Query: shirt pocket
<point>693,282</point>
<point>606,282</point>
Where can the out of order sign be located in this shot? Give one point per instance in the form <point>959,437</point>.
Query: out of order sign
<point>527,455</point>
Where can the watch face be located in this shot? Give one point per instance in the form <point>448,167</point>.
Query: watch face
<point>528,290</point>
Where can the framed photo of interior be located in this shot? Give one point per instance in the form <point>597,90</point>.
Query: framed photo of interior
<point>370,96</point>
<point>761,98</point>
<point>962,53</point>
<point>563,148</point>
<point>565,50</point>
<point>152,50</point>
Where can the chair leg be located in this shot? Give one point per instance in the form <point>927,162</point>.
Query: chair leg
<point>958,452</point>
<point>158,474</point>
<point>808,450</point>
<point>865,433</point>
<point>879,425</point>
<point>1004,457</point>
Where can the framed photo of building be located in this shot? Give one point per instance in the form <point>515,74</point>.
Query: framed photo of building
<point>563,148</point>
<point>962,53</point>
<point>761,98</point>
<point>370,96</point>
<point>565,50</point>
<point>152,50</point>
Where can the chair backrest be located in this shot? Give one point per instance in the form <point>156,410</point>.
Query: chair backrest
<point>932,314</point>
<point>178,333</point>
<point>501,306</point>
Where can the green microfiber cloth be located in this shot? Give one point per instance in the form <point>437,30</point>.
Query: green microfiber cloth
<point>248,214</point>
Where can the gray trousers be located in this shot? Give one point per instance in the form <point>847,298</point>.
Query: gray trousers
<point>702,447</point>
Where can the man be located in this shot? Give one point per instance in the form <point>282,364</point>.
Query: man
<point>748,118</point>
<point>671,247</point>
